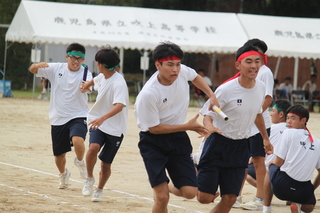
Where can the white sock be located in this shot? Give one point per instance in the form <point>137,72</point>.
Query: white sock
<point>267,208</point>
<point>258,198</point>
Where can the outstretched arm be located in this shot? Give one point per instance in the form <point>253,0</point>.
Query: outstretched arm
<point>34,67</point>
<point>201,84</point>
<point>97,122</point>
<point>192,125</point>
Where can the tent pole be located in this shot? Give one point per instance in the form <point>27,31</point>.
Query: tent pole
<point>34,75</point>
<point>121,59</point>
<point>277,68</point>
<point>295,73</point>
<point>5,62</point>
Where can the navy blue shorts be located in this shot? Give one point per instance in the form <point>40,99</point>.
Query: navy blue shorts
<point>62,135</point>
<point>110,144</point>
<point>222,163</point>
<point>286,188</point>
<point>171,152</point>
<point>252,171</point>
<point>256,145</point>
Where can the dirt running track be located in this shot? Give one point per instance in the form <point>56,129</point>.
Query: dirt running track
<point>29,178</point>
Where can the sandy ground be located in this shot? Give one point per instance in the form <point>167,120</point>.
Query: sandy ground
<point>29,178</point>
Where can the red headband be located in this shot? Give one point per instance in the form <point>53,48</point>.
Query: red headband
<point>310,136</point>
<point>246,54</point>
<point>265,58</point>
<point>169,58</point>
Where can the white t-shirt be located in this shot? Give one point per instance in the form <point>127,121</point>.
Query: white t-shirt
<point>66,100</point>
<point>275,136</point>
<point>287,88</point>
<point>110,91</point>
<point>240,104</point>
<point>312,86</point>
<point>207,80</point>
<point>157,103</point>
<point>265,75</point>
<point>300,156</point>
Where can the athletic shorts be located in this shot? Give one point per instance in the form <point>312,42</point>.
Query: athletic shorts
<point>110,144</point>
<point>252,171</point>
<point>171,153</point>
<point>223,163</point>
<point>286,188</point>
<point>256,145</point>
<point>62,135</point>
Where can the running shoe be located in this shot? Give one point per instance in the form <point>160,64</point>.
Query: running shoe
<point>82,168</point>
<point>64,180</point>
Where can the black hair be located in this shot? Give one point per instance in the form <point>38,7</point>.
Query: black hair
<point>300,110</point>
<point>276,81</point>
<point>261,45</point>
<point>245,48</point>
<point>108,57</point>
<point>283,105</point>
<point>287,78</point>
<point>76,47</point>
<point>165,49</point>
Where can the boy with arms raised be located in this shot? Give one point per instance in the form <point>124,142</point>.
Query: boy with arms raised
<point>68,108</point>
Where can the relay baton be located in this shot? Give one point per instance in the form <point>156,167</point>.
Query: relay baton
<point>218,110</point>
<point>85,72</point>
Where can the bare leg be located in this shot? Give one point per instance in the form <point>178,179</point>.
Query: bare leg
<point>188,192</point>
<point>79,147</point>
<point>104,174</point>
<point>161,198</point>
<point>260,169</point>
<point>60,161</point>
<point>91,158</point>
<point>268,194</point>
<point>225,205</point>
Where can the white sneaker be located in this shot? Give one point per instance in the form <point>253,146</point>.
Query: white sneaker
<point>255,204</point>
<point>97,195</point>
<point>238,202</point>
<point>40,97</point>
<point>82,168</point>
<point>87,188</point>
<point>64,180</point>
<point>266,211</point>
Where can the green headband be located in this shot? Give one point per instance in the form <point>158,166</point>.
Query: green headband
<point>111,68</point>
<point>76,53</point>
<point>275,106</point>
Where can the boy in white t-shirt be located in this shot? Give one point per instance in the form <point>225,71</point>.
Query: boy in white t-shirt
<point>107,119</point>
<point>297,156</point>
<point>68,108</point>
<point>225,153</point>
<point>278,118</point>
<point>160,110</point>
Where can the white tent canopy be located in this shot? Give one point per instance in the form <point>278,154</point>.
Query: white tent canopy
<point>125,27</point>
<point>285,36</point>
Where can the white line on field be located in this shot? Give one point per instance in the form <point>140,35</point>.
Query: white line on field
<point>46,173</point>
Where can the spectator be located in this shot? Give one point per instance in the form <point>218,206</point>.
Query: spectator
<point>286,88</point>
<point>310,86</point>
<point>199,94</point>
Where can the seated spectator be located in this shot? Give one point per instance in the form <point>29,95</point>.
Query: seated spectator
<point>310,86</point>
<point>286,88</point>
<point>198,94</point>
